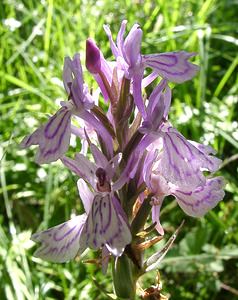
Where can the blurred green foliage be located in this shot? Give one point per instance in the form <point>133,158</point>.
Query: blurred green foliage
<point>35,38</point>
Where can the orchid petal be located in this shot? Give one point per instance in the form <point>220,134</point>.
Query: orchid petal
<point>112,43</point>
<point>60,243</point>
<point>132,45</point>
<point>85,194</point>
<point>137,92</point>
<point>148,79</point>
<point>53,137</point>
<point>206,149</point>
<point>120,38</point>
<point>82,167</point>
<point>173,66</point>
<point>155,97</point>
<point>112,165</point>
<point>167,101</point>
<point>128,172</point>
<point>99,128</point>
<point>156,216</point>
<point>182,163</point>
<point>147,167</point>
<point>104,226</point>
<point>67,74</point>
<point>99,157</point>
<point>74,84</point>
<point>196,203</point>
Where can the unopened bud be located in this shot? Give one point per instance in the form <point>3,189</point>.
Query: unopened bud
<point>93,57</point>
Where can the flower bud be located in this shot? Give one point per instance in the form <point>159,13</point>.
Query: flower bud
<point>93,57</point>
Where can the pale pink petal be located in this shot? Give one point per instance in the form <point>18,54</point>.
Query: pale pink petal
<point>167,101</point>
<point>154,98</point>
<point>53,137</point>
<point>112,43</point>
<point>173,66</point>
<point>203,148</point>
<point>82,167</point>
<point>67,74</point>
<point>74,84</point>
<point>105,227</point>
<point>197,202</point>
<point>128,172</point>
<point>99,157</point>
<point>60,243</point>
<point>120,38</point>
<point>148,79</point>
<point>156,216</point>
<point>99,128</point>
<point>85,194</point>
<point>137,91</point>
<point>112,165</point>
<point>147,167</point>
<point>132,45</point>
<point>182,163</point>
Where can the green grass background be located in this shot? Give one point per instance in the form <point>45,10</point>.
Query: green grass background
<point>203,263</point>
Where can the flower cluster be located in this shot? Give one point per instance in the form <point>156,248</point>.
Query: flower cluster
<point>139,157</point>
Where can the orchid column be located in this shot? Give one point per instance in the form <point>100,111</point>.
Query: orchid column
<point>138,158</point>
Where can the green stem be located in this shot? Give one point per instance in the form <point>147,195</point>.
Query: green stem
<point>123,279</point>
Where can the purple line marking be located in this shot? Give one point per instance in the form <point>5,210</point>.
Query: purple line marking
<point>60,121</point>
<point>168,154</point>
<point>110,214</point>
<point>57,239</point>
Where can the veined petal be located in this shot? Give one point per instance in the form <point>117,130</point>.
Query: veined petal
<point>67,74</point>
<point>99,128</point>
<point>167,101</point>
<point>155,97</point>
<point>120,38</point>
<point>156,215</point>
<point>132,45</point>
<point>31,139</point>
<point>53,137</point>
<point>85,194</point>
<point>203,148</point>
<point>196,203</point>
<point>182,163</point>
<point>128,172</point>
<point>137,91</point>
<point>173,66</point>
<point>150,78</point>
<point>99,157</point>
<point>74,84</point>
<point>147,167</point>
<point>82,167</point>
<point>112,165</point>
<point>60,243</point>
<point>105,227</point>
<point>114,48</point>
